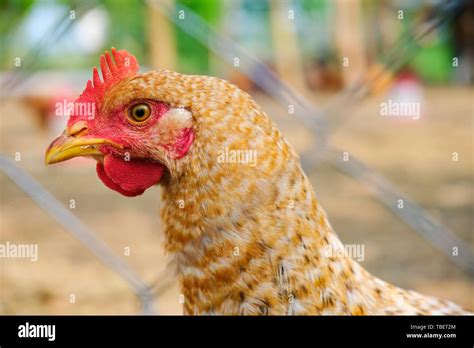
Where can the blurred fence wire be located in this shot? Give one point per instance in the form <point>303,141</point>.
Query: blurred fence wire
<point>402,50</point>
<point>32,57</point>
<point>76,227</point>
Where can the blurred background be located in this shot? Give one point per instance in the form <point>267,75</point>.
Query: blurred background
<point>321,69</point>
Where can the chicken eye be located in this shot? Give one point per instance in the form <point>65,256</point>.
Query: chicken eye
<point>139,113</point>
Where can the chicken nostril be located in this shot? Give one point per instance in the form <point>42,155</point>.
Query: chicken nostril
<point>77,129</point>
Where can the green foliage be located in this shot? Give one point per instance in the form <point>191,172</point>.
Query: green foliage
<point>192,54</point>
<point>127,26</point>
<point>11,13</point>
<point>434,62</point>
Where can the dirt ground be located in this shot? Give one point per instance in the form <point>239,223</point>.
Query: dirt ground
<point>415,155</point>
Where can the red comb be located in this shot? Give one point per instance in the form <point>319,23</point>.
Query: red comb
<point>125,65</point>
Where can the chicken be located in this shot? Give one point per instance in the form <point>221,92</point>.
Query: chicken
<point>240,216</point>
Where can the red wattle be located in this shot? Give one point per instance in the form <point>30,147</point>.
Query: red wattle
<point>130,178</point>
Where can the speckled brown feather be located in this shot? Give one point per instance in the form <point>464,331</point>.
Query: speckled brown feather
<point>253,239</point>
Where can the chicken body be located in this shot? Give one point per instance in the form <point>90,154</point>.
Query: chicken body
<point>240,216</point>
<point>251,238</point>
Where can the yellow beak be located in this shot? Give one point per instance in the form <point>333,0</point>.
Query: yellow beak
<point>66,147</point>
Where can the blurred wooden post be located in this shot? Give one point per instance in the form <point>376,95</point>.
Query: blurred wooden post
<point>162,39</point>
<point>285,41</point>
<point>350,40</point>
